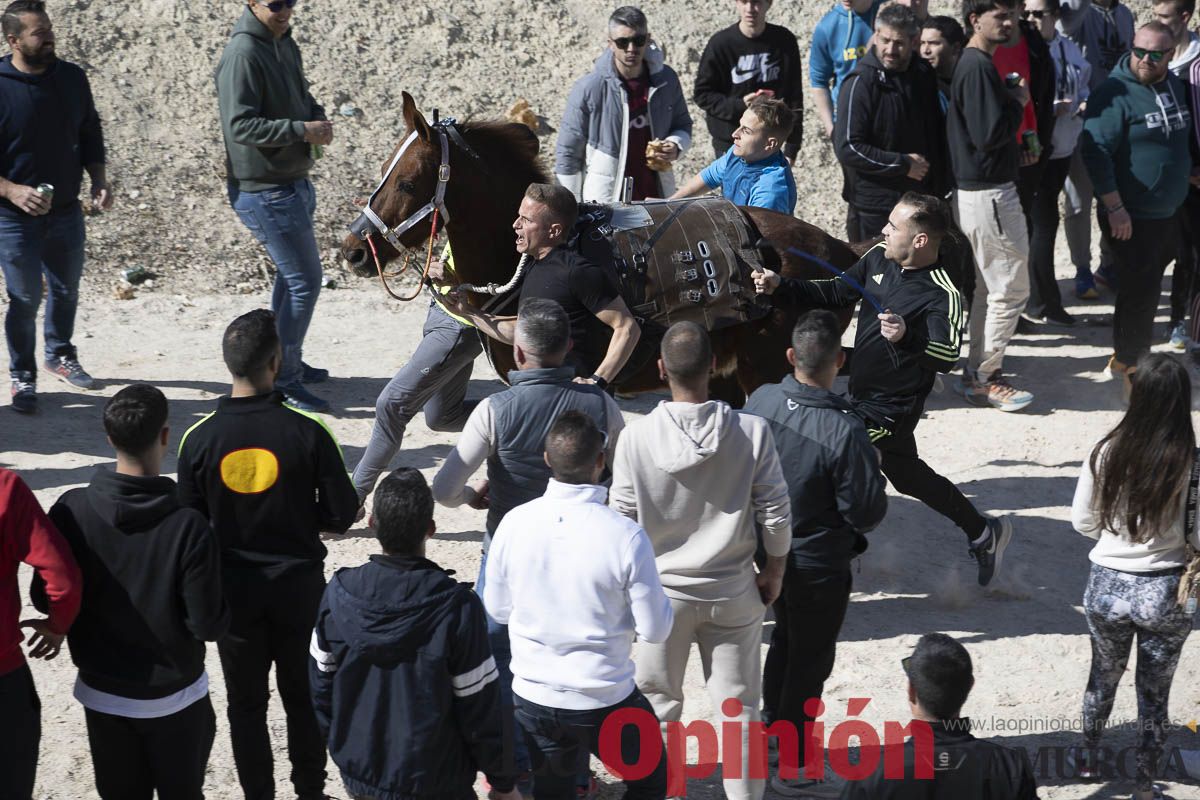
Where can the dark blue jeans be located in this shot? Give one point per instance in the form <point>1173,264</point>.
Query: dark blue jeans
<point>502,654</point>
<point>282,220</point>
<point>52,245</point>
<point>559,737</point>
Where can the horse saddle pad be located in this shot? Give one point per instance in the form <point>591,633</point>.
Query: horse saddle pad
<point>677,259</point>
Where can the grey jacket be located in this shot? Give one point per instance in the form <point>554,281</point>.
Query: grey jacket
<point>1104,34</point>
<point>264,101</point>
<point>593,140</point>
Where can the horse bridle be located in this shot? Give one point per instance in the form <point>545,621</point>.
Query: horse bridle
<point>369,223</point>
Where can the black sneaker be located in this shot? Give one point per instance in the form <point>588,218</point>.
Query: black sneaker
<point>298,397</point>
<point>313,374</point>
<point>989,549</point>
<point>68,368</point>
<point>24,395</point>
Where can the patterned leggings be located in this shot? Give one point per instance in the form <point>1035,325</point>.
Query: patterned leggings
<point>1120,605</point>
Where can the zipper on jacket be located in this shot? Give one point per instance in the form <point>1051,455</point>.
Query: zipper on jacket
<point>996,215</point>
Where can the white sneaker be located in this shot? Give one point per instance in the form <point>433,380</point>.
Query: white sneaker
<point>830,786</point>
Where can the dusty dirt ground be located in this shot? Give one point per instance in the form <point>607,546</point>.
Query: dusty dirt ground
<point>150,64</point>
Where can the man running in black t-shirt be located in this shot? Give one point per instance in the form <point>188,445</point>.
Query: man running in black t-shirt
<point>587,293</point>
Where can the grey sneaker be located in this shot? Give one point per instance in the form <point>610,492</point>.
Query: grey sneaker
<point>69,369</point>
<point>24,394</point>
<point>989,549</point>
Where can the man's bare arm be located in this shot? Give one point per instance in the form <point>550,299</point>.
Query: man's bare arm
<point>626,333</point>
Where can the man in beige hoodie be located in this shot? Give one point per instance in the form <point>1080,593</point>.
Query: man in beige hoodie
<point>697,476</point>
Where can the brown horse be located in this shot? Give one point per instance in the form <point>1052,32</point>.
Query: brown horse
<point>485,188</point>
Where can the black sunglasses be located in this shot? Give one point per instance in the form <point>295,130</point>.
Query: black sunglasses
<point>275,6</point>
<point>1155,56</point>
<point>623,42</point>
<point>1036,14</point>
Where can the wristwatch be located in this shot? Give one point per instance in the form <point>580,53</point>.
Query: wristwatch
<point>596,379</point>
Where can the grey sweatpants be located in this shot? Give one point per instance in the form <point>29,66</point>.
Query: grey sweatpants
<point>434,379</point>
<point>1119,606</point>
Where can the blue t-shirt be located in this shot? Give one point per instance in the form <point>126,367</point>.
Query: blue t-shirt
<point>763,184</point>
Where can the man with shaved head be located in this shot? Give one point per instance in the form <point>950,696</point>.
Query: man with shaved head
<point>697,476</point>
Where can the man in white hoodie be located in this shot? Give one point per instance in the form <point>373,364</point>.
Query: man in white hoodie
<point>575,581</point>
<point>697,476</point>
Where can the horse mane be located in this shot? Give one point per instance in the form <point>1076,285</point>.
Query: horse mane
<point>509,144</point>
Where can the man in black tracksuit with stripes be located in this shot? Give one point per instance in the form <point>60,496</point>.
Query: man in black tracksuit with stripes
<point>898,353</point>
<point>271,479</point>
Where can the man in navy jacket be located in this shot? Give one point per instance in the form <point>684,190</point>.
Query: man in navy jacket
<point>403,682</point>
<point>49,133</point>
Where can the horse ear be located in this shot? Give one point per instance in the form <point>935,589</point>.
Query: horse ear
<point>413,119</point>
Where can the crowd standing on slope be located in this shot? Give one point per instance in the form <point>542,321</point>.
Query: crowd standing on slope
<point>955,137</point>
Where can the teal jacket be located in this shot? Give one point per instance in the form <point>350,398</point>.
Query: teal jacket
<point>265,101</point>
<point>1135,141</point>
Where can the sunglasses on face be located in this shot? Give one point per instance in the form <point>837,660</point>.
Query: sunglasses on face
<point>623,42</point>
<point>1155,56</point>
<point>275,6</point>
<point>1035,14</point>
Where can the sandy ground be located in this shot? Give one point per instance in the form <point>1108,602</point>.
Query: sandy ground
<point>1025,633</point>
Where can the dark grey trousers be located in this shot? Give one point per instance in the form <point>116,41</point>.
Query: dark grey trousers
<point>434,379</point>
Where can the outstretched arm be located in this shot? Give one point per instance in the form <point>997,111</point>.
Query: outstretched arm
<point>502,329</point>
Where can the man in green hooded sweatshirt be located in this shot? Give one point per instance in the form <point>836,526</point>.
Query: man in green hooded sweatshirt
<point>1136,149</point>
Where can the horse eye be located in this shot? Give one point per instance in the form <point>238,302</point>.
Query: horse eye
<point>405,186</point>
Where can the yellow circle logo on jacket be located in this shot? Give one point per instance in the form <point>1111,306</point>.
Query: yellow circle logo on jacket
<point>250,471</point>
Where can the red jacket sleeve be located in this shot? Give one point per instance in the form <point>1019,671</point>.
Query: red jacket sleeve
<point>39,544</point>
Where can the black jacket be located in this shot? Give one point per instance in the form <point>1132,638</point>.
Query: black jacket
<point>151,585</point>
<point>882,116</point>
<point>889,381</point>
<point>270,478</point>
<point>1041,85</point>
<point>832,472</point>
<point>404,685</point>
<point>962,766</point>
<point>49,131</point>
<point>734,65</point>
<point>981,124</point>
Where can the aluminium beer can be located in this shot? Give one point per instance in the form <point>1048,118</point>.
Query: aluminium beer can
<point>46,189</point>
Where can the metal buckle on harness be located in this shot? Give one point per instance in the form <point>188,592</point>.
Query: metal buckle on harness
<point>639,262</point>
<point>444,173</point>
<point>605,230</point>
<point>683,257</point>
<point>691,296</point>
<point>685,275</point>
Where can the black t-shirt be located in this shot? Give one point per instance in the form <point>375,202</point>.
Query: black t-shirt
<point>582,289</point>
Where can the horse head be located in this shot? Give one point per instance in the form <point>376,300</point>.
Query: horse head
<point>402,192</point>
<point>483,169</point>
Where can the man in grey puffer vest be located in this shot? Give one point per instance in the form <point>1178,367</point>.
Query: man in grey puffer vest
<point>273,129</point>
<point>508,431</point>
<point>630,99</point>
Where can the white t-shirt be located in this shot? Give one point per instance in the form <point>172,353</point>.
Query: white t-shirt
<point>118,706</point>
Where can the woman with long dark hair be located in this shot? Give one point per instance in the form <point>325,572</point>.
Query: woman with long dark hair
<point>1132,496</point>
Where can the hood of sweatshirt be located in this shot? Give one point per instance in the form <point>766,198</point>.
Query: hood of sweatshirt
<point>388,608</point>
<point>249,24</point>
<point>131,502</point>
<point>687,434</point>
<point>1180,64</point>
<point>802,394</point>
<point>606,66</point>
<point>10,72</point>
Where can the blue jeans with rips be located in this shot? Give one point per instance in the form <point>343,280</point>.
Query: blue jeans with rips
<point>281,219</point>
<point>30,247</point>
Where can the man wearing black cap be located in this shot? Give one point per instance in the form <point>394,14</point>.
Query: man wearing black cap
<point>940,677</point>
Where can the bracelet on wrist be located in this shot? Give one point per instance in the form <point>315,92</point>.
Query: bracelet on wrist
<point>1115,209</point>
<point>597,380</point>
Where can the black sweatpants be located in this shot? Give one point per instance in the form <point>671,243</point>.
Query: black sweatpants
<point>21,717</point>
<point>134,757</point>
<point>808,618</point>
<point>863,225</point>
<point>910,475</point>
<point>1184,284</point>
<point>1044,296</point>
<point>272,623</point>
<point>1140,262</point>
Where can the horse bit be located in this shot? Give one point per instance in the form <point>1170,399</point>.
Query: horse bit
<point>369,223</point>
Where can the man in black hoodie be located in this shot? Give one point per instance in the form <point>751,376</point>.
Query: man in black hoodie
<point>400,656</point>
<point>890,132</point>
<point>49,134</point>
<point>151,598</point>
<point>271,479</point>
<point>837,495</point>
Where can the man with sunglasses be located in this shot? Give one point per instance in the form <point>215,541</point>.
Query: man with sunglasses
<point>630,99</point>
<point>273,130</point>
<point>1136,147</point>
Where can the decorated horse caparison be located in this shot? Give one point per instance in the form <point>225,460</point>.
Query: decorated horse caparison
<point>467,180</point>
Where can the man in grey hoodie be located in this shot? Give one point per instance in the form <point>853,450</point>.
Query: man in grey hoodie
<point>628,100</point>
<point>273,130</point>
<point>698,476</point>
